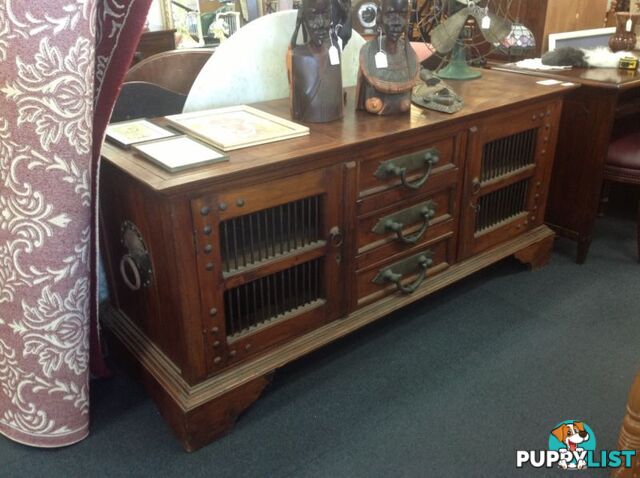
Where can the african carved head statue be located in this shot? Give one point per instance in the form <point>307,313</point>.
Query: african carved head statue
<point>316,20</point>
<point>393,19</point>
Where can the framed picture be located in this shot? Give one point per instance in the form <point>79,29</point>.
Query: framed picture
<point>236,127</point>
<point>581,38</point>
<point>127,133</point>
<point>178,153</point>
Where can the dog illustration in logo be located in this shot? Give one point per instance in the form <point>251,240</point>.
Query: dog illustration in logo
<point>572,435</point>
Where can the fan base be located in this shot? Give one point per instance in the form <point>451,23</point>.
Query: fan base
<point>458,71</point>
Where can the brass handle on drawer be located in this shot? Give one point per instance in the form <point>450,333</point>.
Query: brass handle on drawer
<point>135,266</point>
<point>393,274</point>
<point>430,158</point>
<point>427,213</point>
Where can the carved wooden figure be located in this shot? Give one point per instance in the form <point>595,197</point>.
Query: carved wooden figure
<point>389,67</point>
<point>315,76</point>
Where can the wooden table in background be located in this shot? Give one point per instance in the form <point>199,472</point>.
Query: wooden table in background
<point>607,96</point>
<point>155,41</point>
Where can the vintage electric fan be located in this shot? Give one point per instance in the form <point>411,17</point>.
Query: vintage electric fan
<point>463,32</point>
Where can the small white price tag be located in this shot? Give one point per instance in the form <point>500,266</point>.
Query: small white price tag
<point>629,25</point>
<point>334,56</point>
<point>486,22</point>
<point>381,60</point>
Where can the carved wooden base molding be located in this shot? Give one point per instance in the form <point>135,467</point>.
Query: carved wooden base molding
<point>202,412</point>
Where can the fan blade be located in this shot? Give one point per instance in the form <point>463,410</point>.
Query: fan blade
<point>497,31</point>
<point>445,35</point>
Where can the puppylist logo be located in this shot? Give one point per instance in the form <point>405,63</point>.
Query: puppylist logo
<point>572,446</point>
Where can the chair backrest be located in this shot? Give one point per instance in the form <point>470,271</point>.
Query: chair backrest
<point>174,70</point>
<point>139,99</point>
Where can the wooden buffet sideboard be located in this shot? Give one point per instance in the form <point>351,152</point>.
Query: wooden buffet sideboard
<point>221,274</point>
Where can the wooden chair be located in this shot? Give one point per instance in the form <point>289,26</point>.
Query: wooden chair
<point>629,438</point>
<point>623,165</point>
<point>140,99</point>
<point>174,70</point>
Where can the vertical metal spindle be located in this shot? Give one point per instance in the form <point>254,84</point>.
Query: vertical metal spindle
<point>513,154</point>
<point>316,216</point>
<point>522,157</point>
<point>486,162</point>
<point>252,246</point>
<point>273,231</point>
<point>274,288</point>
<point>310,276</point>
<point>289,227</point>
<point>296,285</point>
<point>283,290</point>
<point>225,246</point>
<point>234,235</point>
<point>270,301</point>
<point>505,156</point>
<point>531,147</point>
<point>494,160</point>
<point>231,315</point>
<point>500,203</point>
<point>308,238</point>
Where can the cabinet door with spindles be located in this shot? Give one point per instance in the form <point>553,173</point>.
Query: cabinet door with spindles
<point>509,162</point>
<point>269,259</point>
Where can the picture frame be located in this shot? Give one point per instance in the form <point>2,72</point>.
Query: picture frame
<point>127,133</point>
<point>178,153</point>
<point>236,127</point>
<point>581,38</point>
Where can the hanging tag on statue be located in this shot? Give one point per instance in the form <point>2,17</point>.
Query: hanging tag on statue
<point>486,22</point>
<point>629,25</point>
<point>381,60</point>
<point>334,56</point>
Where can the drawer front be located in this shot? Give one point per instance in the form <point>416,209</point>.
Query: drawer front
<point>403,226</point>
<point>412,170</point>
<point>405,273</point>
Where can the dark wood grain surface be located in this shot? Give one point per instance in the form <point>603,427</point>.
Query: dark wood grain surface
<point>327,143</point>
<point>610,78</point>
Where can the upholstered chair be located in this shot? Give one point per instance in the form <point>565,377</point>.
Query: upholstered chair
<point>623,165</point>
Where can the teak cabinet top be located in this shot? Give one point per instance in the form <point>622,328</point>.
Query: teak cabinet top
<point>330,143</point>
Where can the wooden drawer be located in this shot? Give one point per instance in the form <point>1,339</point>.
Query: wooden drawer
<point>370,286</point>
<point>443,180</point>
<point>413,169</point>
<point>405,225</point>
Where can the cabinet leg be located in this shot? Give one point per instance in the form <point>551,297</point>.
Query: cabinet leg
<point>583,250</point>
<point>537,255</point>
<point>217,417</point>
<point>629,438</point>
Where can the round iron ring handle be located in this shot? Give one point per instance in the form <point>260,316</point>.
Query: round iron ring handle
<point>337,238</point>
<point>430,159</point>
<point>427,214</point>
<point>127,262</point>
<point>424,262</point>
<point>476,185</point>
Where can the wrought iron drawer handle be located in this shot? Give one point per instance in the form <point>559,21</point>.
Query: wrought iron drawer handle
<point>422,262</point>
<point>427,213</point>
<point>430,159</point>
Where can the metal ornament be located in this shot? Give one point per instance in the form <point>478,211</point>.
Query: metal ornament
<point>135,266</point>
<point>434,94</point>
